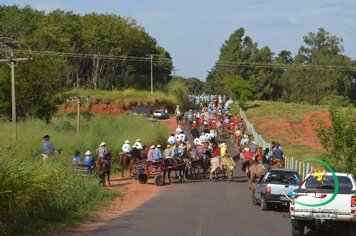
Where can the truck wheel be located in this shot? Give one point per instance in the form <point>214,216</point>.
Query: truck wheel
<point>264,205</point>
<point>142,178</point>
<point>158,180</point>
<point>297,227</point>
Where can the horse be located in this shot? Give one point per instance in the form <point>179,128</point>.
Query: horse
<point>254,171</point>
<point>104,165</point>
<point>179,119</point>
<point>276,163</point>
<point>125,163</point>
<point>180,166</point>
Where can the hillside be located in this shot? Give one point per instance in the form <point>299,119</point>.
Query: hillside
<point>292,125</point>
<point>117,102</point>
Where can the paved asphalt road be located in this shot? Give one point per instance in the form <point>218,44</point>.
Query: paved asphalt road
<point>201,207</point>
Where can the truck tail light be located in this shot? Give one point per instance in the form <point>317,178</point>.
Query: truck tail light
<point>353,201</point>
<point>268,190</point>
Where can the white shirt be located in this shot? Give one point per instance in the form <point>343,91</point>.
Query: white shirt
<point>138,145</point>
<point>244,141</point>
<point>183,137</point>
<point>126,148</point>
<point>172,140</point>
<point>203,138</point>
<point>178,137</point>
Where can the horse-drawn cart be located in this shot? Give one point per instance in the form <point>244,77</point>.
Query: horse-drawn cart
<point>144,170</point>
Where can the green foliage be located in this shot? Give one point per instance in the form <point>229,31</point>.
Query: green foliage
<point>94,130</point>
<point>238,89</point>
<point>339,140</point>
<point>127,97</point>
<point>335,100</point>
<point>35,193</point>
<point>180,90</point>
<point>308,77</point>
<point>58,31</point>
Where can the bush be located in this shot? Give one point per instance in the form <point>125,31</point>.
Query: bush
<point>35,192</point>
<point>335,100</point>
<point>339,140</point>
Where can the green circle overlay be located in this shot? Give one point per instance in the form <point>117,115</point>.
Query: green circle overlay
<point>336,181</point>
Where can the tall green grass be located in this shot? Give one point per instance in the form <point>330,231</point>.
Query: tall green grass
<point>94,130</point>
<point>36,193</point>
<point>126,97</point>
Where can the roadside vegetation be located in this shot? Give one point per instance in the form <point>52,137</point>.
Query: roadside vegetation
<point>36,193</point>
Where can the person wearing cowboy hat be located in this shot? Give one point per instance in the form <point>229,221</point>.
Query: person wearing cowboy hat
<point>223,149</point>
<point>138,144</point>
<point>245,140</point>
<point>172,140</point>
<point>102,150</point>
<point>157,153</point>
<point>88,159</point>
<point>126,148</point>
<point>199,150</point>
<point>150,153</point>
<point>47,146</point>
<point>181,150</point>
<point>135,152</point>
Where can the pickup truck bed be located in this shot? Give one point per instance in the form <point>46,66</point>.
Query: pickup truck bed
<point>319,213</point>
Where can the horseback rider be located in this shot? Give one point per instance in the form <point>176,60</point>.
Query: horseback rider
<point>199,150</point>
<point>102,150</point>
<point>278,154</point>
<point>138,144</point>
<point>47,147</point>
<point>135,152</point>
<point>89,159</point>
<point>172,140</point>
<point>177,111</point>
<point>126,148</point>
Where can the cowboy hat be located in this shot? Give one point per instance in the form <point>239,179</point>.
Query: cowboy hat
<point>181,145</point>
<point>88,153</point>
<point>253,142</point>
<point>127,141</point>
<point>168,146</point>
<point>245,136</point>
<point>138,140</point>
<point>247,149</point>
<point>102,144</point>
<point>158,146</point>
<point>152,146</point>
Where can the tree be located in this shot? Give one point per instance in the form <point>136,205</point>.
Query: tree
<point>339,140</point>
<point>237,88</point>
<point>317,79</point>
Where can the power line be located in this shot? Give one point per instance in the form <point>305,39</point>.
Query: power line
<point>101,56</point>
<point>286,66</point>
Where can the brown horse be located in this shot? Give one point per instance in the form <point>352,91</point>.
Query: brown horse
<point>125,163</point>
<point>104,165</point>
<point>180,166</point>
<point>254,171</point>
<point>179,119</point>
<point>276,163</point>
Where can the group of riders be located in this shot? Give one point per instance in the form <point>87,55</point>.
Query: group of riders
<point>208,122</point>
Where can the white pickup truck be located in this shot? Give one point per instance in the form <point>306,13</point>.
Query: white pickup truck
<point>338,215</point>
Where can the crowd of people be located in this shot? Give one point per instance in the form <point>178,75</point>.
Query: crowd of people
<point>210,118</point>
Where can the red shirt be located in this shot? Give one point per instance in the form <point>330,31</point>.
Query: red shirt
<point>248,155</point>
<point>217,152</point>
<point>259,156</point>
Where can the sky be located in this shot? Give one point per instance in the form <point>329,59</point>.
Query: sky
<point>193,31</point>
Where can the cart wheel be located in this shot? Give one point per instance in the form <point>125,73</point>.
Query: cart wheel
<point>142,178</point>
<point>158,180</point>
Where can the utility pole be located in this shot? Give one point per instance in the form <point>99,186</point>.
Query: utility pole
<point>10,61</point>
<point>78,118</point>
<point>151,73</point>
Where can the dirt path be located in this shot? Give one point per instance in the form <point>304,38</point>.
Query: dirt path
<point>134,195</point>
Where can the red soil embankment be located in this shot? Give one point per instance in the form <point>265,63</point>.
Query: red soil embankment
<point>302,134</point>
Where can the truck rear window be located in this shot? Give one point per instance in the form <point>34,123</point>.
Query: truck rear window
<point>327,182</point>
<point>282,177</point>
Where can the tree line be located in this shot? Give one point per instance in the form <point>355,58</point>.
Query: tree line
<point>317,74</point>
<point>103,51</point>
